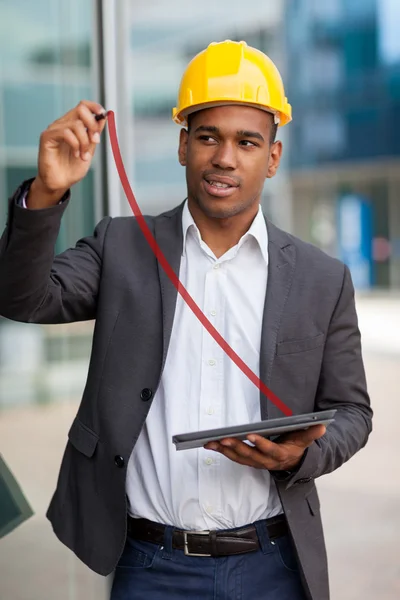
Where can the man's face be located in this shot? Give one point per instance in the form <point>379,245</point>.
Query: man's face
<point>228,154</point>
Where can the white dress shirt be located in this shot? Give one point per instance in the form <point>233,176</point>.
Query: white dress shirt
<point>201,388</point>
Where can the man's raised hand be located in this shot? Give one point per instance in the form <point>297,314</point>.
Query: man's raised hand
<point>66,151</point>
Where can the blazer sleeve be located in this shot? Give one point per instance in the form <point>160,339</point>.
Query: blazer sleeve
<point>35,286</point>
<point>342,385</point>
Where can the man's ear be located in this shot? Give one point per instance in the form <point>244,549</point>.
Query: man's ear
<point>274,159</point>
<point>182,151</point>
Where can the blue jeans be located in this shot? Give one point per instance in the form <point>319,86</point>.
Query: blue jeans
<point>147,571</point>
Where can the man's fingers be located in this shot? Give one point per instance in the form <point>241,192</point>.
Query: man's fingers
<point>72,141</point>
<point>305,437</point>
<point>85,113</point>
<point>242,453</point>
<point>94,128</point>
<point>78,128</point>
<point>281,454</point>
<point>74,133</point>
<point>94,109</point>
<point>242,460</point>
<point>266,447</point>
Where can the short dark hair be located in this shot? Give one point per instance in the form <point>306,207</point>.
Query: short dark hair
<point>272,138</point>
<point>274,130</point>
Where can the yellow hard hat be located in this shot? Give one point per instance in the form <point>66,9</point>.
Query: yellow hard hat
<point>231,73</point>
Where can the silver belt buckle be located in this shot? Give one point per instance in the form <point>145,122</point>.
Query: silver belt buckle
<point>186,545</point>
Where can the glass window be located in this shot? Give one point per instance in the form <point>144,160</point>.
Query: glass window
<point>389,39</point>
<point>319,69</point>
<point>327,11</point>
<point>360,9</point>
<point>46,69</point>
<point>323,134</point>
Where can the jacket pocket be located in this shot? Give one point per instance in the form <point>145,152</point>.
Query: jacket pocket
<point>294,346</point>
<point>82,438</point>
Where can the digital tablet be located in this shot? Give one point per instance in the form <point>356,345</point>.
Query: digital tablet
<point>271,427</point>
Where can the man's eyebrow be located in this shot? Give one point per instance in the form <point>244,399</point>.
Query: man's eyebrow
<point>208,128</point>
<point>251,134</point>
<point>241,133</point>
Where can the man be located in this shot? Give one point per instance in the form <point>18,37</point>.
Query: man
<point>125,499</point>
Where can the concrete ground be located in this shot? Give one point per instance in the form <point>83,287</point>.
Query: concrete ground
<point>34,565</point>
<point>360,501</point>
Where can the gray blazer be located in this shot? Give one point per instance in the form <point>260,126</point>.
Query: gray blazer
<point>310,356</point>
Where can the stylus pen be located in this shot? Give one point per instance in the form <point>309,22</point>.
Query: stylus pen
<point>100,116</point>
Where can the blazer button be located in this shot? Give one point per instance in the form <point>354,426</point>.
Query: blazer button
<point>146,394</point>
<point>119,461</point>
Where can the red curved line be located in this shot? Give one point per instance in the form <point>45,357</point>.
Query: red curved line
<point>175,280</point>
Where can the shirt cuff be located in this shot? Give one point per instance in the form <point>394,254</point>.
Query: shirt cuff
<point>22,199</point>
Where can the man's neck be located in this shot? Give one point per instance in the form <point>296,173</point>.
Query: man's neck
<point>221,235</point>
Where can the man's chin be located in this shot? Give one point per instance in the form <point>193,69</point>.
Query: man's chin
<point>218,208</point>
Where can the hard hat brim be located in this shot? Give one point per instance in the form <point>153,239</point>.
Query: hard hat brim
<point>180,117</point>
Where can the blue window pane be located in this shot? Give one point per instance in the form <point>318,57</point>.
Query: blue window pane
<point>31,107</point>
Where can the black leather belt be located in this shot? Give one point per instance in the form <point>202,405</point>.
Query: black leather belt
<point>207,543</point>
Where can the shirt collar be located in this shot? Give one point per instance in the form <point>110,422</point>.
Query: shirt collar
<point>258,230</point>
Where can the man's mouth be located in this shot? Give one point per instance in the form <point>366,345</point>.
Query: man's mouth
<point>220,186</point>
<point>221,180</point>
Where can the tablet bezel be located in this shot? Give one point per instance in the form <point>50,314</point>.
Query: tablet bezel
<point>270,427</point>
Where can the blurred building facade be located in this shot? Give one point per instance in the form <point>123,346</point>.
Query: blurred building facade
<point>47,54</point>
<point>343,79</point>
<point>48,63</point>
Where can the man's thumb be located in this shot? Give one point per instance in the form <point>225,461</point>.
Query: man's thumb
<point>304,438</point>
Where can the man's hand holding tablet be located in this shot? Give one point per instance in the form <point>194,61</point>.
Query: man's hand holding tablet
<point>282,455</point>
<point>293,435</point>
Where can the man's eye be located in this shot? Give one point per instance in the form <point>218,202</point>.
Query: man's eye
<point>247,143</point>
<point>206,138</point>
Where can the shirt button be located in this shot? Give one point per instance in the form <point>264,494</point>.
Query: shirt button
<point>213,313</point>
<point>209,509</point>
<point>119,461</point>
<point>216,266</point>
<point>209,461</point>
<point>146,394</point>
<point>212,362</point>
<point>210,410</point>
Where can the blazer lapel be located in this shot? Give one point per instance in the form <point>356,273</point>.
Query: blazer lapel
<point>281,265</point>
<point>168,235</point>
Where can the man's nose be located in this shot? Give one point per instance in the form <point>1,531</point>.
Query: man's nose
<point>225,157</point>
